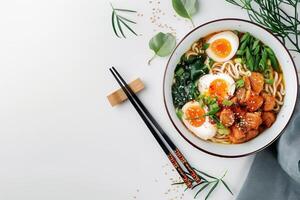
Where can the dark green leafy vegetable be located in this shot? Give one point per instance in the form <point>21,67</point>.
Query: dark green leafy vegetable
<point>187,72</point>
<point>186,8</point>
<point>197,69</point>
<point>162,44</point>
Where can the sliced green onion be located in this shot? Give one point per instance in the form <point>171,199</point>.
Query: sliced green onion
<point>227,102</point>
<point>205,46</point>
<point>239,83</point>
<point>269,81</point>
<point>223,131</point>
<point>238,60</point>
<point>179,113</point>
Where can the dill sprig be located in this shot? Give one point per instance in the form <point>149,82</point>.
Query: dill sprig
<point>279,16</point>
<point>119,22</point>
<point>207,181</point>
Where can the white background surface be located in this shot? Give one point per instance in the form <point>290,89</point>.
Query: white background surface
<point>60,139</point>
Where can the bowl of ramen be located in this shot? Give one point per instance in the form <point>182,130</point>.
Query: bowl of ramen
<point>230,87</point>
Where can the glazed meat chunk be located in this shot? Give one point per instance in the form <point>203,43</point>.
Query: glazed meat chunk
<point>252,134</point>
<point>268,118</point>
<point>227,117</point>
<point>253,120</point>
<point>242,95</point>
<point>254,103</point>
<point>257,82</point>
<point>269,103</point>
<point>237,135</point>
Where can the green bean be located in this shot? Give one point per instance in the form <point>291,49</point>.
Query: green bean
<point>249,59</point>
<point>273,59</point>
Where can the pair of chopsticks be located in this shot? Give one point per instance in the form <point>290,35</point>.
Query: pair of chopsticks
<point>159,134</point>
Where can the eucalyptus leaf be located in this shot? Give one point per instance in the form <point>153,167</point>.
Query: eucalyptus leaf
<point>162,44</point>
<point>186,8</point>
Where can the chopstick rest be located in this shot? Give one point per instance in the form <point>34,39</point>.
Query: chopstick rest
<point>118,96</point>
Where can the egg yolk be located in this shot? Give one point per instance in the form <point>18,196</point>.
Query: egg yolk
<point>221,47</point>
<point>218,88</point>
<point>195,115</point>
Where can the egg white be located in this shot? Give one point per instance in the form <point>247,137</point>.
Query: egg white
<point>206,130</point>
<point>205,81</point>
<point>232,38</point>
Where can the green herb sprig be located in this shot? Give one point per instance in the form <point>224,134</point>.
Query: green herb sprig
<point>119,22</point>
<point>207,181</point>
<point>272,14</point>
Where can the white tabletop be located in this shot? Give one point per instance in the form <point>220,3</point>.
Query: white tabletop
<point>60,138</point>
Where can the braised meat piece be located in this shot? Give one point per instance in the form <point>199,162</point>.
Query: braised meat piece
<point>227,117</point>
<point>251,134</point>
<point>257,82</point>
<point>254,102</point>
<point>237,135</point>
<point>268,118</point>
<point>253,120</point>
<point>242,95</point>
<point>269,102</point>
<point>239,112</point>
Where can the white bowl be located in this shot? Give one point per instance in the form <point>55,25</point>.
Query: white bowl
<point>291,83</point>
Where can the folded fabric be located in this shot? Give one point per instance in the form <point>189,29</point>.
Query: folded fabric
<point>275,172</point>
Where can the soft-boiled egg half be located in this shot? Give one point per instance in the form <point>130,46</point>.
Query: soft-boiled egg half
<point>222,46</point>
<point>195,120</point>
<point>218,85</point>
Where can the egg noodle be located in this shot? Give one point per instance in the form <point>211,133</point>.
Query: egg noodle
<point>195,50</point>
<point>235,70</point>
<point>276,90</point>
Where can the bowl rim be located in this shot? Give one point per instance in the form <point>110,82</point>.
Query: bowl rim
<point>168,112</point>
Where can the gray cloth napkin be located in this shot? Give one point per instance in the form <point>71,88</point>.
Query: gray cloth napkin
<point>275,172</point>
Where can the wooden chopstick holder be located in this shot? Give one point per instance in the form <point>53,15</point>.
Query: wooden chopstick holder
<point>118,96</point>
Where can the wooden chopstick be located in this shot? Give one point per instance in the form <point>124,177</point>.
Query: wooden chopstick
<point>162,132</point>
<point>156,136</point>
<point>144,113</point>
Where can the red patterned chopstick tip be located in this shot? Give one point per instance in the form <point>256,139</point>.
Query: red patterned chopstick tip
<point>184,177</point>
<point>187,165</point>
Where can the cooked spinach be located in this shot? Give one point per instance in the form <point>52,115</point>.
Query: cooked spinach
<point>187,72</point>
